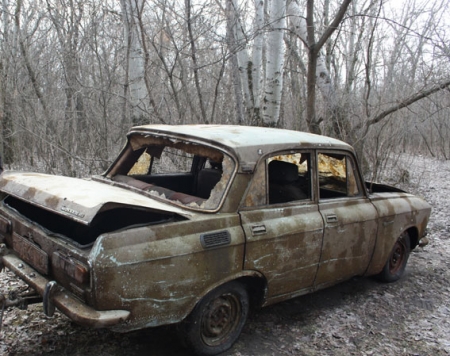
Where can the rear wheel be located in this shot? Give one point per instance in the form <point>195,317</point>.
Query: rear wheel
<point>217,321</point>
<point>395,266</point>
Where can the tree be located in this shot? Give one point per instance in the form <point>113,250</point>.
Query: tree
<point>135,77</point>
<point>75,75</point>
<point>6,90</point>
<point>273,85</point>
<point>317,72</point>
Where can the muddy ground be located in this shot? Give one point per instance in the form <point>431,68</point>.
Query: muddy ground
<point>358,317</point>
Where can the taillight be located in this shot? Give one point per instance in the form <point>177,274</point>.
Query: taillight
<point>72,267</point>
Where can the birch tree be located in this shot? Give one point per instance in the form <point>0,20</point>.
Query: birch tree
<point>273,85</point>
<point>135,74</point>
<point>266,36</point>
<point>380,73</point>
<point>247,67</point>
<point>239,76</point>
<point>257,58</point>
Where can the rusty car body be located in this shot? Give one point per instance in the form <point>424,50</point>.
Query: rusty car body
<point>193,224</point>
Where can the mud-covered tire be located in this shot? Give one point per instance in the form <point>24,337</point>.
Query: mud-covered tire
<point>395,266</point>
<point>217,320</point>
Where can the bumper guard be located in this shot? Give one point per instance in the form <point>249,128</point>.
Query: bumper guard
<point>56,296</point>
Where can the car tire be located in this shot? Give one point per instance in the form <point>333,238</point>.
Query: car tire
<point>217,320</point>
<point>395,266</point>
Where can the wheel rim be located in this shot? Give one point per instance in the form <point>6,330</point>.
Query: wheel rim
<point>397,257</point>
<point>220,319</point>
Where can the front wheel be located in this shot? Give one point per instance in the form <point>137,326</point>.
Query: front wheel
<point>395,266</point>
<point>217,321</point>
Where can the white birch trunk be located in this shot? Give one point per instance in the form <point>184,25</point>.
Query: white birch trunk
<point>350,57</point>
<point>275,62</point>
<point>258,44</point>
<point>241,53</point>
<point>136,70</point>
<point>235,77</point>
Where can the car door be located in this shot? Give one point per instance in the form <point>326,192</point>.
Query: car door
<point>350,219</point>
<point>282,224</point>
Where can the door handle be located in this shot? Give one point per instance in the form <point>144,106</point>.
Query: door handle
<point>258,229</point>
<point>332,218</point>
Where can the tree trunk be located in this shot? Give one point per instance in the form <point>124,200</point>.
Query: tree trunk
<point>6,122</point>
<point>195,62</point>
<point>257,60</point>
<point>317,73</point>
<point>136,70</point>
<point>275,63</point>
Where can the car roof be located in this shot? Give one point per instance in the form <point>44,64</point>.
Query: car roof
<point>248,143</point>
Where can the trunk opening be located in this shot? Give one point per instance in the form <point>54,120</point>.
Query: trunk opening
<point>84,235</point>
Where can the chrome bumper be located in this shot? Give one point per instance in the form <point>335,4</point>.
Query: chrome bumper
<point>56,296</point>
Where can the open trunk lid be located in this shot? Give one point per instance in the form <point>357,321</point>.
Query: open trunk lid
<point>78,199</point>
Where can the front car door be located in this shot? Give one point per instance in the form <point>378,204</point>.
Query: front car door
<point>282,224</point>
<point>350,219</point>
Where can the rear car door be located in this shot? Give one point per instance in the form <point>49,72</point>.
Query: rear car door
<point>350,219</point>
<point>282,224</point>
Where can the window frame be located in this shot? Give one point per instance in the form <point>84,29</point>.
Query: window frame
<point>261,173</point>
<point>349,157</point>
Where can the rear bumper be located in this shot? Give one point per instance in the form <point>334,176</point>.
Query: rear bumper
<point>73,308</point>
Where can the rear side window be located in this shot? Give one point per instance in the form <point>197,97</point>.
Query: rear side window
<point>170,160</point>
<point>337,176</point>
<point>190,174</point>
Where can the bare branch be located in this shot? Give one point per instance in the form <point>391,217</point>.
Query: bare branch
<point>405,103</point>
<point>333,26</point>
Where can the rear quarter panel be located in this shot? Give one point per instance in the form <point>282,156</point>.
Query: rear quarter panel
<point>160,272</point>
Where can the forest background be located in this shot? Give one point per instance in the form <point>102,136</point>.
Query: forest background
<point>75,75</point>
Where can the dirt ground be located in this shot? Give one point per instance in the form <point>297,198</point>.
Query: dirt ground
<point>359,317</point>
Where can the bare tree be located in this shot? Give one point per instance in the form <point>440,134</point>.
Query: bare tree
<point>273,85</point>
<point>76,74</point>
<point>6,90</point>
<point>316,66</point>
<point>131,11</point>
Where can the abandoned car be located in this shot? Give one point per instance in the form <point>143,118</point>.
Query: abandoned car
<point>193,224</point>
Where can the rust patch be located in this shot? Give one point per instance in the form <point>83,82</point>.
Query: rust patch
<point>52,202</point>
<point>30,193</point>
<point>31,253</point>
<point>257,193</point>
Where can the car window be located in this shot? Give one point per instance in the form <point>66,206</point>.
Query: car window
<point>185,173</point>
<point>171,160</point>
<point>281,178</point>
<point>337,177</point>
